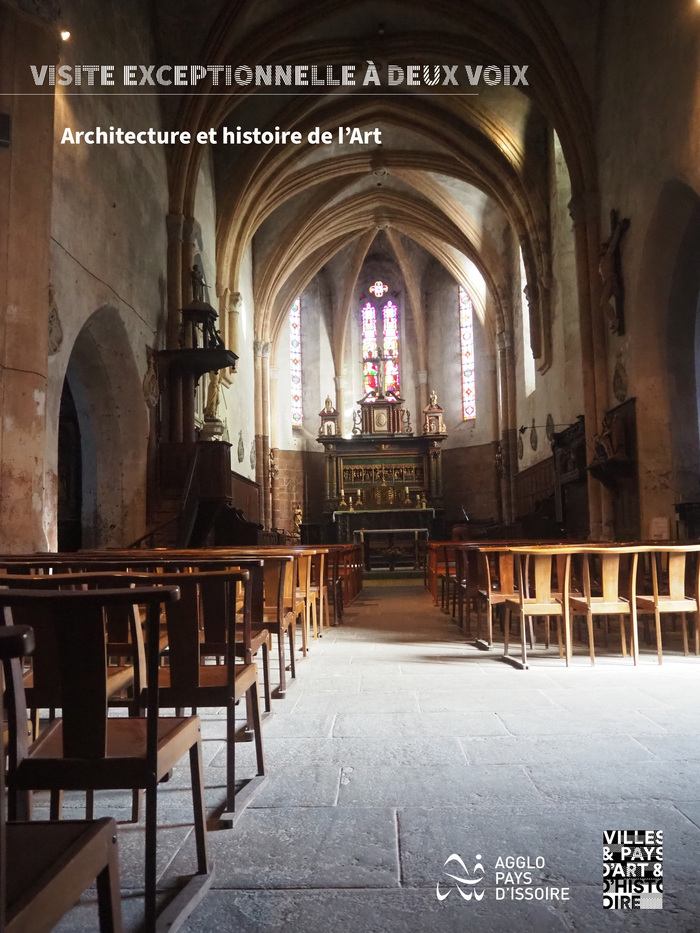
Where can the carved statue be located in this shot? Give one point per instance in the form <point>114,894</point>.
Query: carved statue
<point>611,291</point>
<point>328,403</point>
<point>198,284</point>
<point>298,517</point>
<point>211,409</point>
<point>433,399</point>
<point>610,443</point>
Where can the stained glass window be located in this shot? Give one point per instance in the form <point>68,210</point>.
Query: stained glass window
<point>295,362</point>
<point>369,348</point>
<point>391,346</point>
<point>372,349</point>
<point>466,340</point>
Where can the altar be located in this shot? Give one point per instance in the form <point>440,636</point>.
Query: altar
<point>384,477</point>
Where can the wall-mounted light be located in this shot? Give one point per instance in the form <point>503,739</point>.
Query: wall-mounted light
<point>65,35</point>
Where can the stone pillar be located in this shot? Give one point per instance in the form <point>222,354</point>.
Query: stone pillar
<point>261,350</point>
<point>235,306</point>
<point>276,511</point>
<point>257,370</point>
<point>222,295</point>
<point>267,501</point>
<point>340,402</point>
<point>174,225</point>
<point>422,396</point>
<point>506,408</point>
<point>190,229</point>
<point>585,213</point>
<point>28,492</point>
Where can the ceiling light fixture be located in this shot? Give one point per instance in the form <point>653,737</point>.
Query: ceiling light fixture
<point>65,35</point>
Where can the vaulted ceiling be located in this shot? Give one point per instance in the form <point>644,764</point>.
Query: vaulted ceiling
<point>455,172</point>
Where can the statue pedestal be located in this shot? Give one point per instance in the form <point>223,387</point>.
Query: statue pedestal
<point>212,430</point>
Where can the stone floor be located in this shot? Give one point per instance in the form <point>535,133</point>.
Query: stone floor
<point>401,745</point>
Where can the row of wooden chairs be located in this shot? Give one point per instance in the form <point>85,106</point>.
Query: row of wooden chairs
<point>566,581</point>
<point>272,614</point>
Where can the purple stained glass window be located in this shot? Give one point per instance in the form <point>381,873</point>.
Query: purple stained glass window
<point>295,362</point>
<point>369,348</point>
<point>466,340</point>
<point>391,346</point>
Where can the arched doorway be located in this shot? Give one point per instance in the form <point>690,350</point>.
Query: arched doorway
<point>70,475</point>
<point>102,438</point>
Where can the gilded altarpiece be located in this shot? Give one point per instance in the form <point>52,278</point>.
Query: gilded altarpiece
<point>384,477</point>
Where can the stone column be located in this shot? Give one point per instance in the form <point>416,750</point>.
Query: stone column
<point>222,295</point>
<point>508,429</point>
<point>585,213</point>
<point>257,370</point>
<point>491,366</point>
<point>28,490</point>
<point>261,350</point>
<point>340,402</point>
<point>174,225</point>
<point>266,433</point>
<point>235,306</point>
<point>276,510</point>
<point>422,397</point>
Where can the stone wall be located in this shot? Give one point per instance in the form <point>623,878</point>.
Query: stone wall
<point>470,481</point>
<point>300,481</point>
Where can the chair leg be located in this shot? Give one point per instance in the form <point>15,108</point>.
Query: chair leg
<point>136,803</point>
<point>531,632</point>
<point>292,652</point>
<point>151,852</point>
<point>254,701</point>
<point>657,620</point>
<point>231,757</point>
<point>266,677</point>
<point>559,639</point>
<point>200,832</point>
<point>89,804</point>
<point>304,643</point>
<point>623,637</point>
<point>108,893</point>
<point>591,645</point>
<point>282,660</point>
<point>684,629</point>
<point>523,639</point>
<point>55,804</point>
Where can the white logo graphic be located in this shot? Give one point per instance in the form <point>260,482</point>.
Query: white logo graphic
<point>463,879</point>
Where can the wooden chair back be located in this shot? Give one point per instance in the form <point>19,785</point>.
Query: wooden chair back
<point>45,866</point>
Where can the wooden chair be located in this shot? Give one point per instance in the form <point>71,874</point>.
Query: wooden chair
<point>670,595</point>
<point>544,601</point>
<point>296,604</point>
<point>277,617</point>
<point>319,588</point>
<point>334,584</point>
<point>45,867</point>
<point>304,591</point>
<point>86,750</point>
<point>493,589</point>
<point>447,576</point>
<point>188,682</point>
<point>614,577</point>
